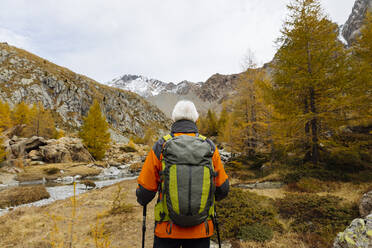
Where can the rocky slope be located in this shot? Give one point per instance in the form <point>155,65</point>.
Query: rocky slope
<point>352,27</point>
<point>207,95</point>
<point>27,77</point>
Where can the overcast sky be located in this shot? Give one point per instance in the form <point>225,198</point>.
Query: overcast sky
<point>170,40</point>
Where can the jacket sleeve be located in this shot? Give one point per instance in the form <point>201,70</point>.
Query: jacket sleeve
<point>222,181</point>
<point>148,180</point>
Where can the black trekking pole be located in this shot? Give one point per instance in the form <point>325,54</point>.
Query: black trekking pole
<point>144,226</point>
<point>217,229</point>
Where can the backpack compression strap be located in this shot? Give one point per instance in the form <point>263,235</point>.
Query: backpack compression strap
<point>202,137</point>
<point>167,137</point>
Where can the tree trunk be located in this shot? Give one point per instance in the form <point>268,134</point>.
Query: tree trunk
<point>314,128</point>
<point>253,120</point>
<point>309,151</point>
<point>307,133</point>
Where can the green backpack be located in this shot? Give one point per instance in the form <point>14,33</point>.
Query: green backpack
<point>187,181</point>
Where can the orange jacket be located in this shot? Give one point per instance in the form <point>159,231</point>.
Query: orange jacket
<point>149,180</point>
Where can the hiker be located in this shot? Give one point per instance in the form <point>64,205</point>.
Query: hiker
<point>184,217</point>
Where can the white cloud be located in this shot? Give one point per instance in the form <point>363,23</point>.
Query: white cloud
<point>13,38</point>
<point>171,40</point>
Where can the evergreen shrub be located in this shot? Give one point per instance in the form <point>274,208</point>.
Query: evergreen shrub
<point>242,209</point>
<point>297,173</point>
<point>309,185</point>
<point>236,169</point>
<point>256,232</point>
<point>322,215</point>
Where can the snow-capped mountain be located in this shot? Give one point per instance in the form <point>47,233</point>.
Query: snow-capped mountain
<point>147,87</point>
<point>205,95</point>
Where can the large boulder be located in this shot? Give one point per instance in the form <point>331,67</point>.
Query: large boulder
<point>19,147</point>
<point>65,150</point>
<point>118,154</point>
<point>365,206</point>
<point>358,234</point>
<point>54,153</point>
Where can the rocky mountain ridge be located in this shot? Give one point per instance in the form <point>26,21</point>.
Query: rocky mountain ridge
<point>27,77</point>
<point>351,29</point>
<point>147,87</point>
<point>205,95</point>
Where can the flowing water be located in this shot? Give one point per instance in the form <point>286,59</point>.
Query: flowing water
<point>60,192</point>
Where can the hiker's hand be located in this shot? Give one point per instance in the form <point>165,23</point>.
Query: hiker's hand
<point>144,196</point>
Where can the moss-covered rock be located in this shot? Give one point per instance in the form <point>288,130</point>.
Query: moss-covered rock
<point>357,234</point>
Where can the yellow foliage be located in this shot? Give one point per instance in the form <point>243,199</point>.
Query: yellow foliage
<point>208,125</point>
<point>131,144</point>
<point>5,120</point>
<point>21,114</point>
<point>244,123</point>
<point>57,238</point>
<point>94,132</point>
<point>119,204</point>
<point>60,134</point>
<point>309,75</point>
<point>2,149</point>
<point>100,238</point>
<point>41,123</point>
<point>150,135</point>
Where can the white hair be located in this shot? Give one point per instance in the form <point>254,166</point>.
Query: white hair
<point>185,110</point>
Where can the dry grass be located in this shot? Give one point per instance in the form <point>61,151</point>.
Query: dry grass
<point>350,192</point>
<point>6,177</point>
<point>274,177</point>
<point>32,227</point>
<point>272,193</point>
<point>22,195</point>
<point>37,172</point>
<point>286,240</point>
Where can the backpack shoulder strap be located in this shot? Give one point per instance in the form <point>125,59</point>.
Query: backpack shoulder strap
<point>167,137</point>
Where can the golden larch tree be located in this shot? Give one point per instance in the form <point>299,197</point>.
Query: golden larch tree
<point>95,131</point>
<point>249,112</point>
<point>222,120</point>
<point>309,73</point>
<point>21,114</point>
<point>41,123</point>
<point>5,120</point>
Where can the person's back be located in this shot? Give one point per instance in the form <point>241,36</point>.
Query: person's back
<point>190,225</point>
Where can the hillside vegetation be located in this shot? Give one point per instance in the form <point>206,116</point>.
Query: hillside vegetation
<point>31,79</point>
